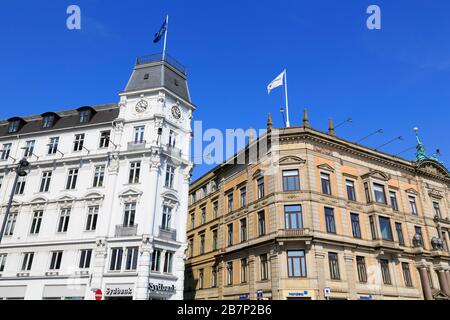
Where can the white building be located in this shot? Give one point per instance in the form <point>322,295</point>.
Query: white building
<point>104,204</point>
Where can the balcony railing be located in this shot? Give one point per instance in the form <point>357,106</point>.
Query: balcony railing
<point>137,145</point>
<point>159,57</point>
<point>173,152</point>
<point>168,234</point>
<point>126,231</point>
<point>290,233</point>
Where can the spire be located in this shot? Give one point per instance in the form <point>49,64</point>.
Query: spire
<point>269,122</point>
<point>331,130</point>
<point>421,154</point>
<point>306,123</point>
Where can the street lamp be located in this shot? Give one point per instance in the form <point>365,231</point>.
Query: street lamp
<point>21,171</point>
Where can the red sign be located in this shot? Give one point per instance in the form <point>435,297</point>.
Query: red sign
<point>98,294</point>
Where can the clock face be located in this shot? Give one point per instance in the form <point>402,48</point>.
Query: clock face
<point>176,112</point>
<point>141,106</point>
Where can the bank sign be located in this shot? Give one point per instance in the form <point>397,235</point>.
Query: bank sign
<point>118,292</point>
<point>160,288</point>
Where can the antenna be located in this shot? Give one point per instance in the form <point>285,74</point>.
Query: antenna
<point>404,151</point>
<point>349,120</point>
<point>370,135</point>
<point>389,142</point>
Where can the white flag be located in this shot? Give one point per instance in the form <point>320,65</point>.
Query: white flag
<point>279,81</point>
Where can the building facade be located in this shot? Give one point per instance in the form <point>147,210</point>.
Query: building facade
<point>103,207</point>
<point>318,217</point>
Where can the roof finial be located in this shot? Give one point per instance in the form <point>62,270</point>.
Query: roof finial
<point>269,122</point>
<point>421,154</point>
<point>331,130</point>
<point>306,123</point>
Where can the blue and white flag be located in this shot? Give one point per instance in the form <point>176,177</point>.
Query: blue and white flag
<point>161,32</point>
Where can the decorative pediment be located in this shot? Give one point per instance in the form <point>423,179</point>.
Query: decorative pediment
<point>40,199</point>
<point>258,174</point>
<point>130,194</point>
<point>376,175</point>
<point>66,200</point>
<point>94,198</point>
<point>291,160</point>
<point>325,167</point>
<point>170,199</point>
<point>433,168</point>
<point>412,191</point>
<point>433,193</point>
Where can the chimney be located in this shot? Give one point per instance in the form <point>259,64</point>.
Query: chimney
<point>306,123</point>
<point>269,122</point>
<point>331,130</point>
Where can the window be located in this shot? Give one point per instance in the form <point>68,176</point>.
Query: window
<point>243,230</point>
<point>29,148</point>
<point>45,181</point>
<point>413,206</point>
<point>191,247</point>
<point>214,240</point>
<point>243,197</point>
<point>407,274</point>
<point>64,218</point>
<point>326,185</point>
<point>264,263</point>
<point>380,196</point>
<point>85,115</point>
<point>1,181</point>
<point>14,126</point>
<point>27,261</point>
<point>367,192</point>
<point>296,264</point>
<point>215,209</point>
<point>105,137</point>
<point>418,232</point>
<point>202,244</point>
<point>362,271</point>
<point>138,136</point>
<point>170,174</point>
<point>6,151</point>
<point>36,222</point>
<point>203,215</point>
<point>116,259</point>
<point>129,214</point>
<point>385,227</point>
<point>437,210</point>
<point>192,220</point>
<point>55,262</point>
<point>132,254</point>
<point>260,187</point>
<point>244,270</point>
<point>261,223</point>
<point>172,139</point>
<point>85,259</point>
<point>351,193</point>
<point>334,266</point>
<point>48,121</point>
<point>214,277</point>
<point>168,261</point>
<point>329,220</point>
<point>399,229</point>
<point>356,230</point>
<point>293,217</point>
<point>201,278</point>
<point>372,228</point>
<point>291,180</point>
<point>135,170</point>
<point>53,146</point>
<point>20,186</point>
<point>230,234</point>
<point>230,273</point>
<point>2,261</point>
<point>99,176</point>
<point>167,218</point>
<point>394,203</point>
<point>78,142</point>
<point>92,216</point>
<point>230,202</point>
<point>386,274</point>
<point>156,260</point>
<point>72,179</point>
<point>10,224</point>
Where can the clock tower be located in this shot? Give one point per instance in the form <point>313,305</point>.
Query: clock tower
<point>154,127</point>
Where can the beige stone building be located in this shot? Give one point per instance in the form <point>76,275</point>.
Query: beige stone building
<point>319,217</point>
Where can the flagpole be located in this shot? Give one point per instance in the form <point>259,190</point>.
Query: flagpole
<point>165,37</point>
<point>288,124</point>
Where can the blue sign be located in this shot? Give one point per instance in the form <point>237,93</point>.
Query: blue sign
<point>365,297</point>
<point>244,297</point>
<point>259,294</point>
<point>299,294</point>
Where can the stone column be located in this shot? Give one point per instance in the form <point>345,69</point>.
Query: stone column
<point>220,279</point>
<point>275,272</point>
<point>443,281</point>
<point>143,271</point>
<point>428,295</point>
<point>320,271</point>
<point>447,273</point>
<point>350,274</point>
<point>100,254</point>
<point>252,276</point>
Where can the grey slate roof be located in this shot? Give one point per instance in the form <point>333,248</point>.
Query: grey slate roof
<point>70,118</point>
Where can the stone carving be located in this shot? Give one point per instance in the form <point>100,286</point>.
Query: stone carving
<point>437,244</point>
<point>417,241</point>
<point>113,162</point>
<point>118,125</point>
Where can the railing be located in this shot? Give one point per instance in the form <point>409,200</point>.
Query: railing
<point>168,234</point>
<point>126,231</point>
<point>288,233</point>
<point>137,145</point>
<point>159,57</point>
<point>173,152</point>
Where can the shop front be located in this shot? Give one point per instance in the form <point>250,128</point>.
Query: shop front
<point>119,291</point>
<point>160,291</point>
<point>13,292</point>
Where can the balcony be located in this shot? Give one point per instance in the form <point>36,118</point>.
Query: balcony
<point>293,233</point>
<point>126,231</point>
<point>168,234</point>
<point>160,57</point>
<point>173,152</point>
<point>136,145</point>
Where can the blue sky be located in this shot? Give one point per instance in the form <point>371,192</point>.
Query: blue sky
<point>396,78</point>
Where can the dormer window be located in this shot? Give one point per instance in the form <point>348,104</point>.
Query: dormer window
<point>48,121</point>
<point>85,116</point>
<point>14,125</point>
